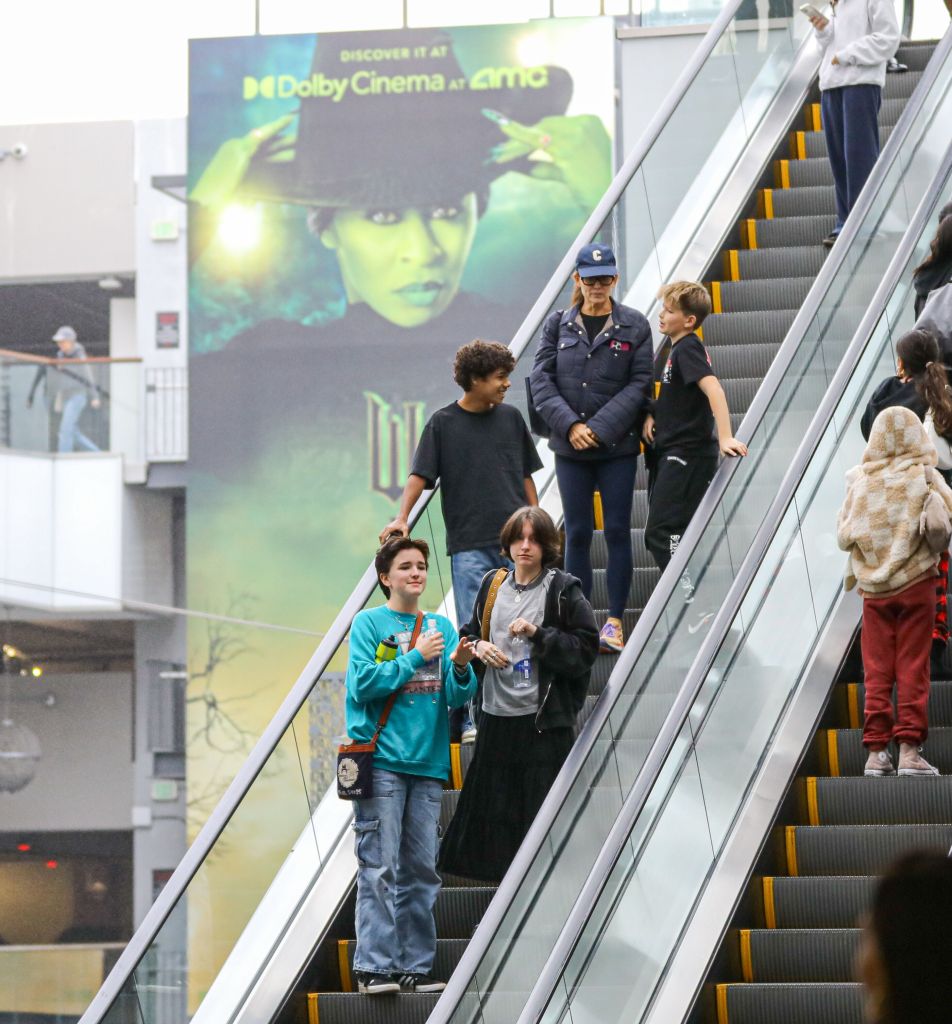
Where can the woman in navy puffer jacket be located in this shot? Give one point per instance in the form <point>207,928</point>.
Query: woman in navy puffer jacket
<point>590,382</point>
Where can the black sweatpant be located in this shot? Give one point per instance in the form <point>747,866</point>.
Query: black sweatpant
<point>676,484</point>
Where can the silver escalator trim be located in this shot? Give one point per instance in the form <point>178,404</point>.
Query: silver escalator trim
<point>677,717</point>
<point>655,607</point>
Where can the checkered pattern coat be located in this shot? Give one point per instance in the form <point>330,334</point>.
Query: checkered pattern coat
<point>879,521</point>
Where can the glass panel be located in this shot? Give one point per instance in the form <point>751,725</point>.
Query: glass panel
<point>754,676</point>
<point>559,872</point>
<point>52,982</point>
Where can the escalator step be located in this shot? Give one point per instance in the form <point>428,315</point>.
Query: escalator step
<point>793,261</point>
<point>754,296</point>
<point>846,754</point>
<point>890,111</point>
<point>448,954</point>
<point>643,581</point>
<point>639,509</point>
<point>458,911</point>
<point>939,709</point>
<point>744,360</point>
<point>858,849</point>
<point>803,202</point>
<point>794,954</point>
<point>829,901</point>
<point>768,327</point>
<point>810,172</point>
<point>466,759</point>
<point>448,807</point>
<point>740,392</point>
<point>349,1008</point>
<point>820,1003</point>
<point>886,801</point>
<point>785,231</point>
<point>815,142</point>
<point>916,55</point>
<point>901,86</point>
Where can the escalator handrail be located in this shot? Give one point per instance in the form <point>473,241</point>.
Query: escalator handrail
<point>677,718</point>
<point>670,578</point>
<point>218,820</point>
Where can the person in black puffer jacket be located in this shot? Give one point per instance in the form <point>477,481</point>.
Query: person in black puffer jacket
<point>590,382</point>
<point>534,671</point>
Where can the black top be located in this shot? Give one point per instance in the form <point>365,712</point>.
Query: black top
<point>594,325</point>
<point>683,418</point>
<point>892,391</point>
<point>481,460</point>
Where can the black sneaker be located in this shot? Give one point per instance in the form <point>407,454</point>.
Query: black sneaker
<point>830,240</point>
<point>420,983</point>
<point>376,984</point>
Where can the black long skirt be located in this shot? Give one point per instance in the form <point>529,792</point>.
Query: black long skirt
<point>513,768</point>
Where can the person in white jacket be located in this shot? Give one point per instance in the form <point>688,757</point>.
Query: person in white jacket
<point>856,42</point>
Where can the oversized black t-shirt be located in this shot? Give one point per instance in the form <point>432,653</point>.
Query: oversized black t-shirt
<point>481,460</point>
<point>683,418</point>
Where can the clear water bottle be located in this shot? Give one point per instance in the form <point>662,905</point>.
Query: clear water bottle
<point>521,661</point>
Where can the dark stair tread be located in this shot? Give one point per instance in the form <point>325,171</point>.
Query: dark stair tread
<point>798,954</point>
<point>826,901</point>
<point>881,801</point>
<point>858,849</point>
<point>844,751</point>
<point>351,1008</point>
<point>458,911</point>
<point>774,1003</point>
<point>448,954</point>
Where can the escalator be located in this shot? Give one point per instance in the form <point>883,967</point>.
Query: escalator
<point>293,957</point>
<point>754,812</point>
<point>791,953</point>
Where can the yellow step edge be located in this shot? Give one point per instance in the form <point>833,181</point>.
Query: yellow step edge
<point>312,1017</point>
<point>817,119</point>
<point>456,766</point>
<point>699,331</point>
<point>798,145</point>
<point>813,809</point>
<point>767,194</point>
<point>598,511</point>
<point>811,117</point>
<point>731,265</point>
<point>791,837</point>
<point>833,753</point>
<point>751,234</point>
<point>746,964</point>
<point>782,173</point>
<point>715,291</point>
<point>722,1004</point>
<point>852,700</point>
<point>343,963</point>
<point>770,910</point>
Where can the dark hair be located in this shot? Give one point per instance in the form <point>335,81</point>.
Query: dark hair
<point>940,248</point>
<point>481,359</point>
<point>921,359</point>
<point>543,529</point>
<point>388,551</point>
<point>912,908</point>
<point>319,218</point>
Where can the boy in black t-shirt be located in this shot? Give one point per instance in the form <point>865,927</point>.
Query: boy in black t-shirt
<point>690,402</point>
<point>484,457</point>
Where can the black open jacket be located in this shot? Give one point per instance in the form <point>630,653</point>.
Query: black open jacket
<point>566,646</point>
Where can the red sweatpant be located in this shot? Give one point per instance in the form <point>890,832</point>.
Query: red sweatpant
<point>897,640</point>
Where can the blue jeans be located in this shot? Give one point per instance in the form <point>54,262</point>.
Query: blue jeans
<point>615,480</point>
<point>468,569</point>
<point>69,433</point>
<point>851,125</point>
<point>397,835</point>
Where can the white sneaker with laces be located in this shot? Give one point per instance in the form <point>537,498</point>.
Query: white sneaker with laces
<point>879,764</point>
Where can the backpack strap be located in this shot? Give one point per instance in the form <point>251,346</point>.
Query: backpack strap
<point>501,574</point>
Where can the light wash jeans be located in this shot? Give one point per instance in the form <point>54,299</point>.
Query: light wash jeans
<point>468,569</point>
<point>397,833</point>
<point>70,436</point>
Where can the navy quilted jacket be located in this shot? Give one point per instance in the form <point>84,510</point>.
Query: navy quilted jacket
<point>605,384</point>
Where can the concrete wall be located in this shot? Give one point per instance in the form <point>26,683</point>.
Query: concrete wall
<point>67,208</point>
<point>84,780</point>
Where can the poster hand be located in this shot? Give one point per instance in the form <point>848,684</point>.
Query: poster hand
<point>225,172</point>
<point>577,152</point>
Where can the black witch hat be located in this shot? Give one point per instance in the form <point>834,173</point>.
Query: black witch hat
<point>396,123</point>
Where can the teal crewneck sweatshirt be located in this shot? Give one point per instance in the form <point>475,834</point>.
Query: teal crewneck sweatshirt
<point>415,739</point>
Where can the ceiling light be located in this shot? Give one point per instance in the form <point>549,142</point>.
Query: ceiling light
<point>110,283</point>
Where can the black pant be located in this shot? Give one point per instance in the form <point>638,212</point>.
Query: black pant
<point>676,484</point>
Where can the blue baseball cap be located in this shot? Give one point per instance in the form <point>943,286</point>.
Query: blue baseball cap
<point>595,260</point>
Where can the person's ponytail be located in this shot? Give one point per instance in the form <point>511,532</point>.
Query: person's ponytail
<point>577,297</point>
<point>935,390</point>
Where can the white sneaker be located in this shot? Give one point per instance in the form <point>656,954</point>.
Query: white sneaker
<point>911,762</point>
<point>879,764</point>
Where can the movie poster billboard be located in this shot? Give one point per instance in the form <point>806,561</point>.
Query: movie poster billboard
<point>361,204</point>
